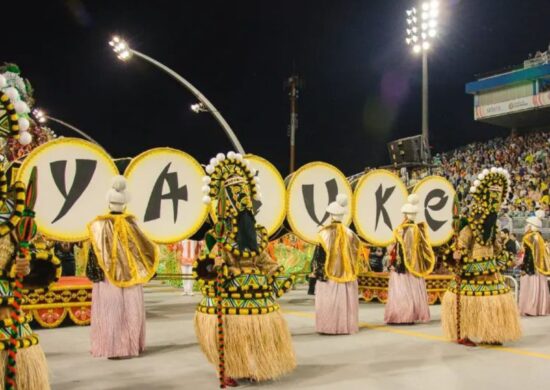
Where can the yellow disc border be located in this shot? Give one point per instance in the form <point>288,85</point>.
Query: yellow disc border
<point>295,174</point>
<point>446,182</point>
<point>360,183</point>
<point>28,163</point>
<point>280,183</point>
<point>198,168</point>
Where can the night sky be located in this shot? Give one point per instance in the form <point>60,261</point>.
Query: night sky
<point>362,83</point>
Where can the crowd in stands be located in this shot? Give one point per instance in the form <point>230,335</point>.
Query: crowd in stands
<point>525,156</point>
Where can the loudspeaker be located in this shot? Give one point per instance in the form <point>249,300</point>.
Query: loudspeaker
<point>408,150</point>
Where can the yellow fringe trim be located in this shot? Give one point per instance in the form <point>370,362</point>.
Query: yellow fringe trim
<point>493,319</point>
<point>32,370</point>
<point>258,346</point>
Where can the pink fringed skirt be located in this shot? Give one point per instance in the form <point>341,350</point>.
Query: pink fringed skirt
<point>407,300</point>
<point>336,307</point>
<point>534,296</point>
<point>118,321</point>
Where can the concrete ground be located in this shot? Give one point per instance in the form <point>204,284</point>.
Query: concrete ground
<point>379,357</point>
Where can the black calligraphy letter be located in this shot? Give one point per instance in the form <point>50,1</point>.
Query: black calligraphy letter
<point>382,197</point>
<point>176,194</point>
<point>309,199</point>
<point>434,224</point>
<point>84,171</point>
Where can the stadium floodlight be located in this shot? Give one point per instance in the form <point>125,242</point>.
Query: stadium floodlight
<point>420,34</point>
<point>426,25</point>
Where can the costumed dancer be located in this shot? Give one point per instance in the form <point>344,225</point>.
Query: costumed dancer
<point>238,323</point>
<point>487,311</point>
<point>24,264</point>
<point>412,260</point>
<point>23,364</point>
<point>122,259</point>
<point>534,296</point>
<point>335,259</point>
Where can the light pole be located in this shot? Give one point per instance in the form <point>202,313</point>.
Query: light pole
<point>41,117</point>
<point>125,52</point>
<point>421,31</point>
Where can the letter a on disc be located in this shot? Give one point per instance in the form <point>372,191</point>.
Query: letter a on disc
<point>165,194</point>
<point>379,196</point>
<point>73,179</point>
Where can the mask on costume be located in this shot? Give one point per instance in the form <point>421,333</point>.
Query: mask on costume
<point>230,187</point>
<point>488,194</point>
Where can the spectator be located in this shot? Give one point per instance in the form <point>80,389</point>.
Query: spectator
<point>64,251</point>
<point>376,259</point>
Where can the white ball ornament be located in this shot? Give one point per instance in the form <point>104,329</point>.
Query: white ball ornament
<point>494,170</point>
<point>209,169</point>
<point>220,156</point>
<point>13,94</point>
<point>206,180</point>
<point>24,124</point>
<point>206,200</point>
<point>25,138</point>
<point>472,190</point>
<point>239,157</point>
<point>477,183</point>
<point>485,172</point>
<point>205,190</point>
<point>21,107</point>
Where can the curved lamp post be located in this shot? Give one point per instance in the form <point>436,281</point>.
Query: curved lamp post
<point>125,52</point>
<point>41,117</point>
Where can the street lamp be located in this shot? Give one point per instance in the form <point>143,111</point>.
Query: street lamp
<point>198,107</point>
<point>124,52</point>
<point>42,117</point>
<point>421,31</point>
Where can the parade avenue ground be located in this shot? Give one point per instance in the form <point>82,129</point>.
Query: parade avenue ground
<point>378,357</point>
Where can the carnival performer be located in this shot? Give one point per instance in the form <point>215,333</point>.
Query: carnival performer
<point>412,260</point>
<point>487,312</point>
<point>122,259</point>
<point>238,323</point>
<point>24,263</point>
<point>534,296</point>
<point>337,291</point>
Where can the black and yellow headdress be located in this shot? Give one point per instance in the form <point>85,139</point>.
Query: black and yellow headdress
<point>232,183</point>
<point>230,187</point>
<point>489,192</point>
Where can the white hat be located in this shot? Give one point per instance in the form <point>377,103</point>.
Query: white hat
<point>411,206</point>
<point>536,220</point>
<point>339,207</point>
<point>117,196</point>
